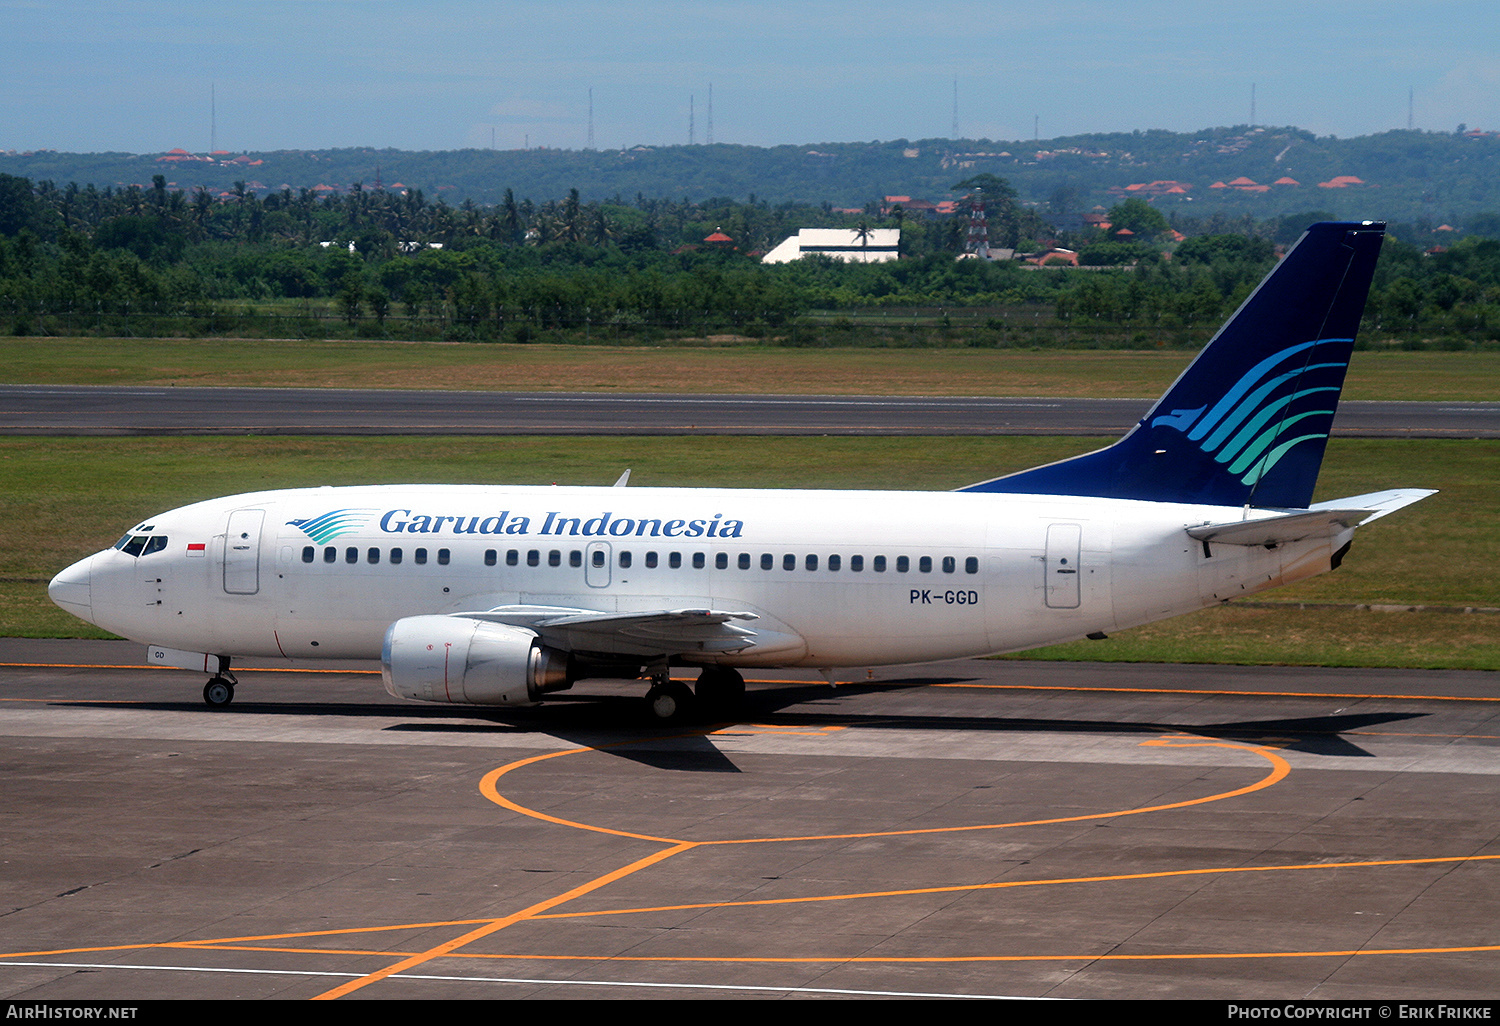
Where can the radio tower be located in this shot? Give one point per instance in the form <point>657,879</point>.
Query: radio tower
<point>954,134</point>
<point>710,127</point>
<point>591,117</point>
<point>978,241</point>
<point>691,111</point>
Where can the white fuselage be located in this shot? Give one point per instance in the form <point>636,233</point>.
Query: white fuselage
<point>837,578</point>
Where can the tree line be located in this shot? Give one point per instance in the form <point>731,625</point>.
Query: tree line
<point>164,261</point>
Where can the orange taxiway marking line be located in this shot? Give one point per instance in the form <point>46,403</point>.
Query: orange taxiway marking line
<point>500,924</point>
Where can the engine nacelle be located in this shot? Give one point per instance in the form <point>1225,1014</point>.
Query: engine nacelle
<point>455,659</point>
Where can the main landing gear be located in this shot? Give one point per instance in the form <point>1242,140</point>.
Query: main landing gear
<point>719,692</point>
<point>219,691</point>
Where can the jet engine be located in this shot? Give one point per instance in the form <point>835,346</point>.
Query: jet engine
<point>464,661</point>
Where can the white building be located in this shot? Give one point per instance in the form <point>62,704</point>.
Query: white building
<point>877,245</point>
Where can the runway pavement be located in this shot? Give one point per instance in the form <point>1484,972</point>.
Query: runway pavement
<point>974,828</point>
<point>107,410</point>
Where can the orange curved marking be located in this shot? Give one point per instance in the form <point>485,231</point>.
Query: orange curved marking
<point>489,790</point>
<point>1279,769</point>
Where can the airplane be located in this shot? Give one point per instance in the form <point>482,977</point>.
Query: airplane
<point>499,596</point>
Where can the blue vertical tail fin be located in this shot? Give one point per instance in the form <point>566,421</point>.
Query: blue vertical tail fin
<point>1247,422</point>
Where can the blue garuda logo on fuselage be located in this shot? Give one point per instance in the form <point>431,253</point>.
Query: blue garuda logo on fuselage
<point>1256,422</point>
<point>333,524</point>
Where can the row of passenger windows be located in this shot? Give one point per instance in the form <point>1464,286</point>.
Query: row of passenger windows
<point>372,555</point>
<point>652,559</point>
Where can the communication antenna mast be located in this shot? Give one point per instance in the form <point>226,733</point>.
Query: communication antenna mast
<point>710,127</point>
<point>691,98</point>
<point>978,241</point>
<point>1252,104</point>
<point>955,107</point>
<point>591,117</point>
<point>1411,94</point>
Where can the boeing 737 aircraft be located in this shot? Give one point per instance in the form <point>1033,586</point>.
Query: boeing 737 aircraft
<point>499,595</point>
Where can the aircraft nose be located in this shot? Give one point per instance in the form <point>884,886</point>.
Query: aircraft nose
<point>71,589</point>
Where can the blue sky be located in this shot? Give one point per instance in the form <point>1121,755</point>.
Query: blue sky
<point>444,74</point>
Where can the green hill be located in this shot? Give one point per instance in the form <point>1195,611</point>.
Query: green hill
<point>1408,176</point>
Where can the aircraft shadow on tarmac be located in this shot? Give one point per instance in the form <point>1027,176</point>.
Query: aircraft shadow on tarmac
<point>619,725</point>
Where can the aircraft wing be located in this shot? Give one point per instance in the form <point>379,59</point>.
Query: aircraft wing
<point>645,633</point>
<point>1323,519</point>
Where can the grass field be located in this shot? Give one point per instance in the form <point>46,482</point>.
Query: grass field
<point>63,498</point>
<point>726,368</point>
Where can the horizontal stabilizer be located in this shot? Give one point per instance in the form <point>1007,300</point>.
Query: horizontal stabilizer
<point>1323,520</point>
<point>1378,503</point>
<point>1270,531</point>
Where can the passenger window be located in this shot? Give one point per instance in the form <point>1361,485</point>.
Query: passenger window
<point>575,558</point>
<point>834,562</point>
<point>856,563</point>
<point>675,560</point>
<point>491,557</point>
<point>533,557</point>
<point>597,558</point>
<point>902,564</point>
<point>624,559</point>
<point>949,564</point>
<point>308,553</point>
<point>351,555</point>
<point>744,561</point>
<point>766,561</point>
<point>721,560</point>
<point>330,554</point>
<point>925,564</point>
<point>395,556</point>
<point>788,562</point>
<point>812,562</point>
<point>512,557</point>
<point>878,564</point>
<point>372,555</point>
<point>971,565</point>
<point>554,557</point>
<point>651,560</point>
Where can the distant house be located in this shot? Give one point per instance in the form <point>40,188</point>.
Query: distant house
<point>876,246</point>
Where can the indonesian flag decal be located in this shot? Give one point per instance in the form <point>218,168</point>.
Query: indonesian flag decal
<point>197,548</point>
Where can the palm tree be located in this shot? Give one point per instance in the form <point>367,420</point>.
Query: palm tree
<point>862,232</point>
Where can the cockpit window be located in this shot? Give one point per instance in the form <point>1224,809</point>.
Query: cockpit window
<point>141,544</point>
